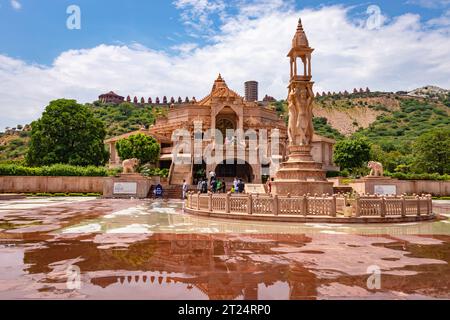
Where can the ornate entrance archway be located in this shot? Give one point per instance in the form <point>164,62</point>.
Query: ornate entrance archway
<point>226,119</point>
<point>229,170</point>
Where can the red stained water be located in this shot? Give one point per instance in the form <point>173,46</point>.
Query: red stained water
<point>34,265</point>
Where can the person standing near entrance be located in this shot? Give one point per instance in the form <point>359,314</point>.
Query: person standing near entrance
<point>213,184</point>
<point>241,186</point>
<point>236,185</point>
<point>159,191</point>
<point>185,189</point>
<point>269,185</point>
<point>224,186</point>
<point>218,185</point>
<point>204,186</point>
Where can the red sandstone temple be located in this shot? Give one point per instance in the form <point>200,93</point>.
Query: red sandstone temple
<point>222,109</point>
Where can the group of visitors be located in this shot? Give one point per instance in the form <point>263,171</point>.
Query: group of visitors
<point>217,185</point>
<point>238,186</point>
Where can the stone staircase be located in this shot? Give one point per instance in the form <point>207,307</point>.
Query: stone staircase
<point>179,173</point>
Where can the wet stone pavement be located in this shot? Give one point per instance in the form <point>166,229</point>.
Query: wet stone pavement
<point>87,248</point>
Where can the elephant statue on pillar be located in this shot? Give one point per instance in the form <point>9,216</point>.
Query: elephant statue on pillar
<point>376,169</point>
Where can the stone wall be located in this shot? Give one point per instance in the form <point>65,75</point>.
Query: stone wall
<point>140,186</point>
<point>51,184</point>
<point>436,188</point>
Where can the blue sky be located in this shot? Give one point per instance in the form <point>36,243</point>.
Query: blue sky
<point>37,31</point>
<point>177,48</point>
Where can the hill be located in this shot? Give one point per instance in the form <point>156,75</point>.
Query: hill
<point>126,117</point>
<point>392,121</point>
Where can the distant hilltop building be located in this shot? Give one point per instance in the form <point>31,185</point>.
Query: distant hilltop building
<point>251,91</point>
<point>111,97</point>
<point>356,91</point>
<point>268,98</point>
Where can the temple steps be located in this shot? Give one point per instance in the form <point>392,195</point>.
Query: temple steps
<point>181,172</point>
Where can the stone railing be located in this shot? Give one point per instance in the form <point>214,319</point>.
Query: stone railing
<point>309,206</point>
<point>262,204</point>
<point>383,206</point>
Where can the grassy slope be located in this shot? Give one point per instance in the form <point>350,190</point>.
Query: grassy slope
<point>126,117</point>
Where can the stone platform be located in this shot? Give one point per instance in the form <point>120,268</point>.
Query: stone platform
<point>300,175</point>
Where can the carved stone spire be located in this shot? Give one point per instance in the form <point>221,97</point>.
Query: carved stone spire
<point>300,40</point>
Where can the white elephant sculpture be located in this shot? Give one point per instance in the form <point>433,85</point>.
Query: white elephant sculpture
<point>376,169</point>
<point>129,165</point>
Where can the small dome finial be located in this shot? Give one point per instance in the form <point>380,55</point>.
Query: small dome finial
<point>300,25</point>
<point>300,39</point>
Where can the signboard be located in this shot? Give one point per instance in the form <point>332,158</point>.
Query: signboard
<point>385,189</point>
<point>255,188</point>
<point>125,188</point>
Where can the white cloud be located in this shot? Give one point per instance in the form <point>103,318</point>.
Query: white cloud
<point>185,47</point>
<point>404,54</point>
<point>197,14</point>
<point>442,21</point>
<point>16,4</point>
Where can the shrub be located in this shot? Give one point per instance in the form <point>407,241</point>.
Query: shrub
<point>140,146</point>
<point>154,172</point>
<point>334,174</point>
<point>418,176</point>
<point>58,194</point>
<point>53,171</point>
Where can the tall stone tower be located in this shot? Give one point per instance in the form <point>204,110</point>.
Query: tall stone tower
<point>251,91</point>
<point>300,175</point>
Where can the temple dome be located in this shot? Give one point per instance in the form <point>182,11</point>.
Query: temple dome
<point>219,90</point>
<point>219,83</point>
<point>300,40</point>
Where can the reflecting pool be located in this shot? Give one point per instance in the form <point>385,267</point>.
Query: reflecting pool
<point>87,248</point>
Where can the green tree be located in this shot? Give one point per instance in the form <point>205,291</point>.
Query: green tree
<point>139,146</point>
<point>67,133</point>
<point>432,152</point>
<point>351,154</point>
